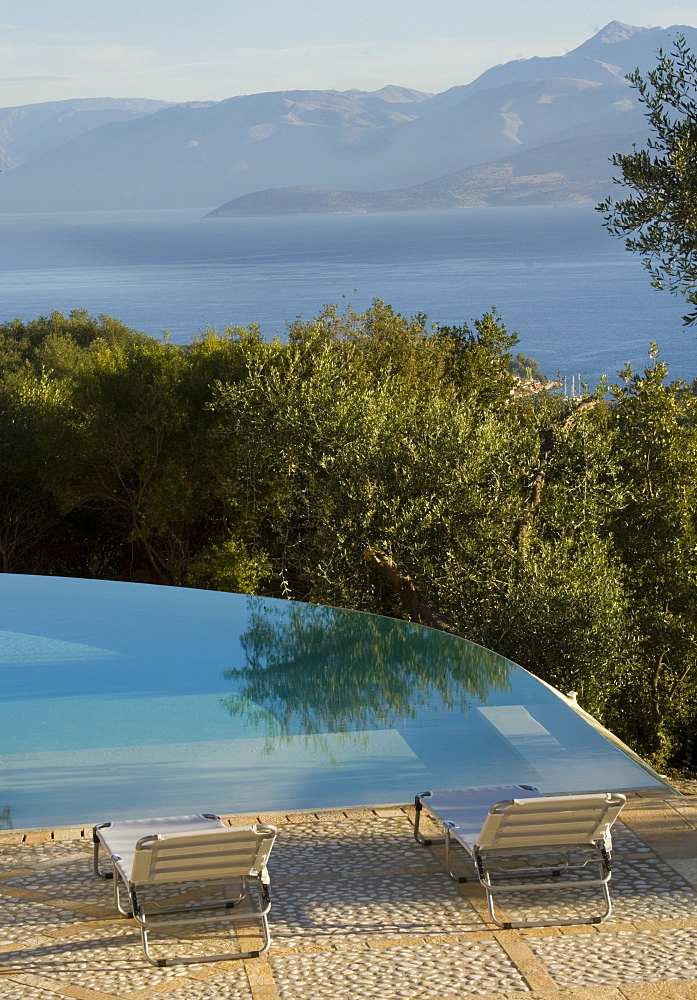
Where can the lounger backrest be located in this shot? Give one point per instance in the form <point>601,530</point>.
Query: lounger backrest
<point>550,820</point>
<point>220,853</point>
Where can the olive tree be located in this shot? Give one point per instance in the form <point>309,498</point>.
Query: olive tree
<point>659,219</point>
<point>654,531</point>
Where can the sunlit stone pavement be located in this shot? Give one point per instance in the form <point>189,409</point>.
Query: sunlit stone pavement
<point>359,909</point>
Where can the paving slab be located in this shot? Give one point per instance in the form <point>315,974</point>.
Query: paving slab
<point>360,910</point>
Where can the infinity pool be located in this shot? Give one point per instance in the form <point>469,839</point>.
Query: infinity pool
<point>123,700</point>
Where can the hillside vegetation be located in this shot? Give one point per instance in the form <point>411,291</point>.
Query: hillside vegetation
<point>374,462</point>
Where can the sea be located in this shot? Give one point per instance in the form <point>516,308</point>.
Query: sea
<point>581,305</point>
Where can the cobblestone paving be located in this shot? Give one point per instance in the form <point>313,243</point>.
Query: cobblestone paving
<point>650,889</point>
<point>18,921</point>
<point>40,855</point>
<point>625,957</point>
<point>100,961</point>
<point>20,992</point>
<point>231,985</point>
<point>370,844</point>
<point>66,875</point>
<point>361,910</point>
<point>481,967</point>
<point>391,904</point>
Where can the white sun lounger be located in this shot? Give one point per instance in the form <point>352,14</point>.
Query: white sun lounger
<point>193,858</point>
<point>516,837</point>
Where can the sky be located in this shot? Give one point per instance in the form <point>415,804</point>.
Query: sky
<point>209,50</point>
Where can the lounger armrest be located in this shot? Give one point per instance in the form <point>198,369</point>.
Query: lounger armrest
<point>145,841</point>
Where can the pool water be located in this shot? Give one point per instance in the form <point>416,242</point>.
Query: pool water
<point>122,700</point>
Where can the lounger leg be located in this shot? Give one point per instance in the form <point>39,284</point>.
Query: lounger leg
<point>418,806</point>
<point>555,922</point>
<point>428,841</point>
<point>95,857</point>
<point>601,883</point>
<point>113,874</point>
<point>262,917</point>
<point>125,911</point>
<point>455,878</point>
<point>201,960</point>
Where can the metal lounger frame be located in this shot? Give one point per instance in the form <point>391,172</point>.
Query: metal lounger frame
<point>517,836</point>
<point>180,850</point>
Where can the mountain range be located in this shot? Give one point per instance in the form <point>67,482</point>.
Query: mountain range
<point>535,130</point>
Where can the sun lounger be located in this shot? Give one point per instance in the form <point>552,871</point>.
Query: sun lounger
<point>520,840</point>
<point>171,871</point>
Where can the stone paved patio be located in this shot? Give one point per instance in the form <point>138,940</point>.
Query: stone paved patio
<point>361,910</point>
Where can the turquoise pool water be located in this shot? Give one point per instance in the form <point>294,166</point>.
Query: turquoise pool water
<point>122,700</point>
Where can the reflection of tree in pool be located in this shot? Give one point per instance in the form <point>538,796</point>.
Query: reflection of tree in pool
<point>6,819</point>
<point>313,669</point>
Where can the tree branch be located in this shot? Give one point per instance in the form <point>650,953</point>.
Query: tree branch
<point>548,443</point>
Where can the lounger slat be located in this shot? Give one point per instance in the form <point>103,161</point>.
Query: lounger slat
<point>183,859</point>
<point>193,871</point>
<point>583,819</point>
<point>531,841</point>
<point>217,855</point>
<point>187,868</point>
<point>562,821</point>
<point>508,829</point>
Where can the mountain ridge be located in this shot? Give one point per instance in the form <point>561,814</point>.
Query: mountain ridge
<point>356,142</point>
<point>29,129</point>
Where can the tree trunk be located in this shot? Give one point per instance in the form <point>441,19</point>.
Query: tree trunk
<point>415,605</point>
<point>548,443</point>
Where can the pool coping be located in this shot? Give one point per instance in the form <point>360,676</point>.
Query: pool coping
<point>73,831</point>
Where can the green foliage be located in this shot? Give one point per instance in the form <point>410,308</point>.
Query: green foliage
<point>229,566</point>
<point>558,532</point>
<point>662,212</point>
<point>55,342</point>
<point>481,365</point>
<point>525,367</point>
<point>566,619</point>
<point>655,535</point>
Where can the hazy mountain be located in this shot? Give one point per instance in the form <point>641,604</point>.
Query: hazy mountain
<point>615,51</point>
<point>533,177</point>
<point>187,155</point>
<point>35,128</point>
<point>567,113</point>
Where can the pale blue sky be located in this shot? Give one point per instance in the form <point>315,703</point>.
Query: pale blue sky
<point>212,49</point>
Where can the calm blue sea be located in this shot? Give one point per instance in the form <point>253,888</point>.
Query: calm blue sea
<point>578,301</point>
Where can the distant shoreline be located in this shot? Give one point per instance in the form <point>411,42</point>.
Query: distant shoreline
<point>496,185</point>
